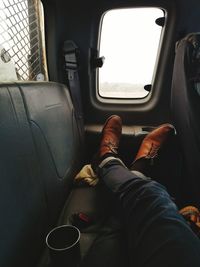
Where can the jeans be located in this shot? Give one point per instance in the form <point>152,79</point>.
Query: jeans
<point>157,234</point>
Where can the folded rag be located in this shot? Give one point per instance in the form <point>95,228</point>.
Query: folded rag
<point>87,176</point>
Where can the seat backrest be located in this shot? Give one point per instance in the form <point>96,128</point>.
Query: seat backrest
<point>39,155</point>
<point>186,107</point>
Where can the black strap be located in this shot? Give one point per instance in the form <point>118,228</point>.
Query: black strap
<point>71,66</point>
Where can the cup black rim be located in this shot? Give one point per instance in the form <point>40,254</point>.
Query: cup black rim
<point>66,248</point>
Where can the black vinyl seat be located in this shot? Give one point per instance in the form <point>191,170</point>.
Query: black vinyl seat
<point>186,108</point>
<point>39,155</point>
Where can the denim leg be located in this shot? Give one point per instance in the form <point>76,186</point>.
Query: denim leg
<point>158,236</point>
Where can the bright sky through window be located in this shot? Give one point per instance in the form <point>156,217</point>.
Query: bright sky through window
<point>129,42</point>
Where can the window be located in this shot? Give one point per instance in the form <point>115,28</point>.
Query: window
<point>22,54</point>
<point>129,42</point>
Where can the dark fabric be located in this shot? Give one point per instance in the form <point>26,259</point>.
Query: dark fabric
<point>157,234</point>
<point>185,103</point>
<point>71,53</point>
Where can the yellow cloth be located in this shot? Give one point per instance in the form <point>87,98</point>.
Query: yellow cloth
<point>87,175</point>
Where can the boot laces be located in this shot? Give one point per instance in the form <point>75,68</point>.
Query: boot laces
<point>111,146</point>
<point>153,152</point>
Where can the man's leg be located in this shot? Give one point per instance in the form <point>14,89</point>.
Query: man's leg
<point>157,233</point>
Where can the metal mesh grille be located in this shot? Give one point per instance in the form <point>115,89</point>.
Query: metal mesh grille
<point>20,38</point>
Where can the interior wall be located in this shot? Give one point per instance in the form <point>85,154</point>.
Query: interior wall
<point>79,21</point>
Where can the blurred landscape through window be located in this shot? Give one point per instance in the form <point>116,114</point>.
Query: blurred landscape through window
<point>129,42</point>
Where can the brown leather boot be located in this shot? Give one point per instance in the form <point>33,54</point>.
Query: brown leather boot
<point>151,145</point>
<point>110,136</point>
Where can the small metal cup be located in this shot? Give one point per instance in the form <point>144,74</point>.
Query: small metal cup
<point>64,246</point>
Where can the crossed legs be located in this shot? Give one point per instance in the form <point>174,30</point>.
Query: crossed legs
<point>157,234</point>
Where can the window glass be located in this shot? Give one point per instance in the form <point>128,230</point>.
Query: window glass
<point>22,53</point>
<point>129,42</point>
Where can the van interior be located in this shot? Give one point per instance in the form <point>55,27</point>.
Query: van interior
<point>65,67</point>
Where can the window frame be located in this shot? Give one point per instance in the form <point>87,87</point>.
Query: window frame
<point>136,101</point>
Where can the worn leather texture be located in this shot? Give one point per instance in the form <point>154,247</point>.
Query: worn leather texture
<point>102,240</point>
<point>39,156</point>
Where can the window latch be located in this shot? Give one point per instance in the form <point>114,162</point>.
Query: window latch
<point>160,21</point>
<point>148,87</point>
<point>98,62</point>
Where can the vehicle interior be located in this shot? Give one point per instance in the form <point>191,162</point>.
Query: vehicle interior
<point>65,67</point>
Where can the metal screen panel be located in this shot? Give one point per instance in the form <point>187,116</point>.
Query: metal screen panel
<point>21,38</point>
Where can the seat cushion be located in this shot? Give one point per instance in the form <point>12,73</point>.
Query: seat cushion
<point>102,238</point>
<point>40,153</point>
